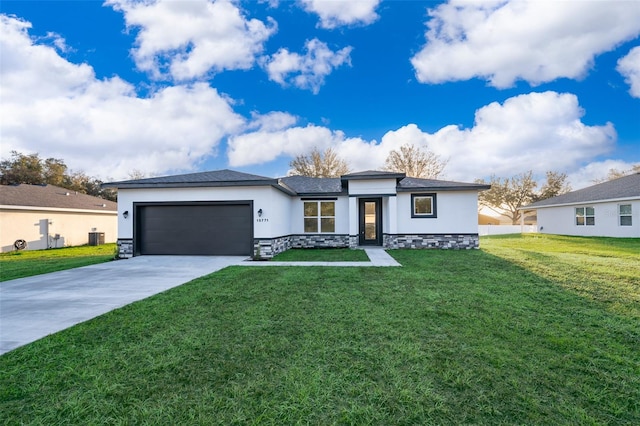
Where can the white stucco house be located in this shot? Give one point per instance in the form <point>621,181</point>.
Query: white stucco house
<point>227,212</point>
<point>47,216</point>
<point>609,209</point>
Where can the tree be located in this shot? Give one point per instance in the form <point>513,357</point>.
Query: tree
<point>555,185</point>
<point>31,169</point>
<point>507,195</point>
<point>22,168</point>
<point>318,164</point>
<point>54,171</point>
<point>415,162</point>
<point>615,173</point>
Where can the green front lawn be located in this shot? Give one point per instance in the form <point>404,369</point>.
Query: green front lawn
<point>322,255</point>
<point>20,264</point>
<point>528,330</point>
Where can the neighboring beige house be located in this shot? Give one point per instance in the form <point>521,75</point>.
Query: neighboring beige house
<point>47,216</point>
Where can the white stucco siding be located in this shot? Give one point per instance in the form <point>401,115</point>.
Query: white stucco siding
<point>372,187</point>
<point>562,220</point>
<point>39,228</point>
<point>342,215</point>
<point>277,212</point>
<point>457,213</point>
<point>274,204</point>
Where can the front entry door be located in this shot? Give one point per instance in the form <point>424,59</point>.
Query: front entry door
<point>370,221</point>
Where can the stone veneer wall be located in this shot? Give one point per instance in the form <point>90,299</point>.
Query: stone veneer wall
<point>268,247</point>
<point>425,241</point>
<point>319,241</point>
<point>125,249</point>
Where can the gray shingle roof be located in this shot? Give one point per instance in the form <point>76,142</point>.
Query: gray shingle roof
<point>373,174</point>
<point>212,178</point>
<point>51,196</point>
<point>304,185</point>
<point>294,185</point>
<point>624,187</point>
<point>412,184</point>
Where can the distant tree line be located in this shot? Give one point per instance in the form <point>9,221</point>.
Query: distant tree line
<point>33,170</point>
<point>508,195</point>
<point>414,161</point>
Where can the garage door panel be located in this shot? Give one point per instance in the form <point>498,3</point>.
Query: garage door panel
<point>195,229</point>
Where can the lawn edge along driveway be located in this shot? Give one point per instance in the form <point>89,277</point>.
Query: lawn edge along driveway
<point>34,307</point>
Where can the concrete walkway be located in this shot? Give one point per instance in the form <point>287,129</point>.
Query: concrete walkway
<point>34,307</point>
<point>377,257</point>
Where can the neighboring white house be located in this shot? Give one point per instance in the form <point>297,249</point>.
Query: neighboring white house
<point>226,212</point>
<point>609,209</point>
<point>47,216</point>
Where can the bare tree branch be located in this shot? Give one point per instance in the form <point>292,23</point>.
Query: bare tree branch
<point>415,162</point>
<point>319,164</point>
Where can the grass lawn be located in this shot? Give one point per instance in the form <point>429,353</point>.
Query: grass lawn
<point>322,255</point>
<point>19,264</point>
<point>527,330</point>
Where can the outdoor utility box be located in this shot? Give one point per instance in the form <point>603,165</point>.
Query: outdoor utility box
<point>96,238</point>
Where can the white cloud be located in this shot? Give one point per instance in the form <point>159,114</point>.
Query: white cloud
<point>629,67</point>
<point>191,39</point>
<point>264,146</point>
<point>59,109</point>
<point>585,176</point>
<point>537,131</point>
<point>308,71</point>
<point>346,12</point>
<point>536,41</point>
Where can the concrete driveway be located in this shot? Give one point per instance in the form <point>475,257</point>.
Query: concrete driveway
<point>34,307</point>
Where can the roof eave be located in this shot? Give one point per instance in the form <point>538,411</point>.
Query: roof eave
<point>445,188</point>
<point>575,203</point>
<point>321,194</point>
<point>374,177</point>
<point>134,185</point>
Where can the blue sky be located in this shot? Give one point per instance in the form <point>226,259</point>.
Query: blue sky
<point>494,87</point>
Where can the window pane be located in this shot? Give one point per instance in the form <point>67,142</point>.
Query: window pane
<point>591,220</point>
<point>625,221</point>
<point>422,205</point>
<point>310,209</point>
<point>579,211</point>
<point>579,220</point>
<point>370,231</point>
<point>328,208</point>
<point>625,208</point>
<point>310,224</point>
<point>327,225</point>
<point>369,208</point>
<point>590,211</point>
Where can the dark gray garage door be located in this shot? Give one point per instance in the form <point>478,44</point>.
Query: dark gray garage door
<point>221,229</point>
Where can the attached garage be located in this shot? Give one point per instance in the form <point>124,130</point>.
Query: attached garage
<point>220,228</point>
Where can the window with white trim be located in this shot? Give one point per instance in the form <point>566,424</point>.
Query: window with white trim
<point>585,216</point>
<point>624,213</point>
<point>319,216</point>
<point>423,205</point>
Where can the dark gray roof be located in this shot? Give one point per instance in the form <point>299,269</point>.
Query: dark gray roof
<point>51,196</point>
<point>409,184</point>
<point>373,174</point>
<point>304,185</point>
<point>624,187</point>
<point>293,185</point>
<point>212,178</point>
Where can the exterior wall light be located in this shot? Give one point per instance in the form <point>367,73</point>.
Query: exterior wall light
<point>260,213</point>
<point>125,214</point>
